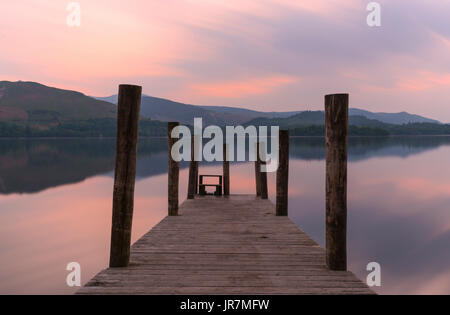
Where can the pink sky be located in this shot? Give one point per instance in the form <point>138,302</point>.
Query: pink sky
<point>269,55</point>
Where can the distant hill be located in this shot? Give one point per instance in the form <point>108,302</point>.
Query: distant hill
<point>167,110</point>
<point>311,123</point>
<point>250,114</point>
<point>392,118</point>
<point>310,118</point>
<point>29,109</point>
<point>43,106</point>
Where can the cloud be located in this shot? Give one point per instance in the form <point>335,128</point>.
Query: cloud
<point>217,51</point>
<point>241,88</point>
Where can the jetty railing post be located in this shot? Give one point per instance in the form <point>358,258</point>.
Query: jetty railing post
<point>129,103</point>
<point>283,174</point>
<point>257,171</point>
<point>226,171</point>
<point>263,175</point>
<point>197,153</point>
<point>336,137</point>
<point>174,170</point>
<point>192,172</point>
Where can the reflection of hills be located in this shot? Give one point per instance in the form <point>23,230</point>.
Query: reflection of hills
<point>28,166</point>
<point>361,148</point>
<point>32,165</point>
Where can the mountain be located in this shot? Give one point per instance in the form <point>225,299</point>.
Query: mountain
<point>311,123</point>
<point>42,106</point>
<point>167,110</point>
<point>392,118</point>
<point>29,109</point>
<point>250,114</point>
<point>311,118</point>
<point>164,110</point>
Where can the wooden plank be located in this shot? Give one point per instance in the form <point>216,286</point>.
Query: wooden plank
<point>226,245</point>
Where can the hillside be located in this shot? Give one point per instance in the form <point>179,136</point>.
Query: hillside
<point>248,113</point>
<point>392,118</point>
<point>309,118</point>
<point>29,109</point>
<point>167,110</point>
<point>311,123</point>
<point>42,106</point>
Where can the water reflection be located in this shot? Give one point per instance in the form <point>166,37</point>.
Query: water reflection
<point>30,166</point>
<point>55,206</point>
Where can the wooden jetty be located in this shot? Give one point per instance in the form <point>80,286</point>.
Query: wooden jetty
<point>229,244</point>
<point>226,245</point>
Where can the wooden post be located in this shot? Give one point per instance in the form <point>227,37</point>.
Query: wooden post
<point>263,175</point>
<point>283,174</point>
<point>196,177</point>
<point>336,126</point>
<point>196,149</point>
<point>192,173</point>
<point>226,171</point>
<point>125,174</point>
<point>257,171</point>
<point>174,170</point>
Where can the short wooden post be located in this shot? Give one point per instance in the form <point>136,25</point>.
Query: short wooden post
<point>197,151</point>
<point>336,126</point>
<point>174,170</point>
<point>263,175</point>
<point>192,173</point>
<point>196,177</point>
<point>125,174</point>
<point>226,171</point>
<point>257,171</point>
<point>283,174</point>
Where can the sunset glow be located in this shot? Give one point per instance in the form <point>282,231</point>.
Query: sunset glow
<point>246,53</point>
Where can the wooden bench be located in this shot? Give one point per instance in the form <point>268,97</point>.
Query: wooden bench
<point>202,186</point>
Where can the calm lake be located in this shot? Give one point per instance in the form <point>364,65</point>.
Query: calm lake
<point>56,200</point>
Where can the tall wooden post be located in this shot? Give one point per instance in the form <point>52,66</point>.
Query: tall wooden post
<point>283,174</point>
<point>192,172</point>
<point>125,174</point>
<point>336,126</point>
<point>263,175</point>
<point>174,170</point>
<point>257,171</point>
<point>226,171</point>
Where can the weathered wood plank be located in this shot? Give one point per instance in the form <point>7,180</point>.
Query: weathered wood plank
<point>233,245</point>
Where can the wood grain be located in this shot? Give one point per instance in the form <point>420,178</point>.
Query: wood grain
<point>226,245</point>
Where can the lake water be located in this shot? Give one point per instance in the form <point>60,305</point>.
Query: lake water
<point>56,200</point>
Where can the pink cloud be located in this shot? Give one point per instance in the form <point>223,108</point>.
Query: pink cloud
<point>425,80</point>
<point>241,88</point>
